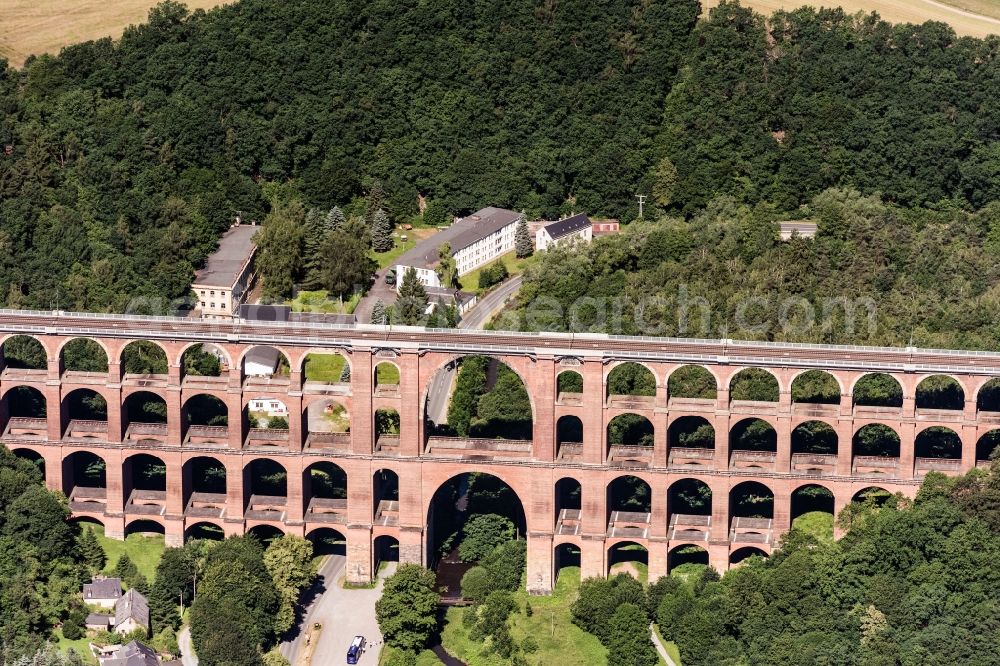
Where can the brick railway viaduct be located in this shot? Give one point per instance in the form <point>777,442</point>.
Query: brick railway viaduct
<point>420,464</point>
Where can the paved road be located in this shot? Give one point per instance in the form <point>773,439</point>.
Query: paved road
<point>188,657</point>
<point>477,317</point>
<point>344,615</point>
<point>490,304</point>
<point>438,394</point>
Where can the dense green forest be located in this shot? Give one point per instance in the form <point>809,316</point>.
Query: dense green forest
<point>42,564</point>
<point>122,162</point>
<point>912,582</point>
<point>128,159</point>
<point>924,275</point>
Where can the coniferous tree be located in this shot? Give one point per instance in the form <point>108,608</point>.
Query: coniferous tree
<point>522,239</point>
<point>334,219</point>
<point>125,569</point>
<point>412,302</point>
<point>163,607</point>
<point>381,232</point>
<point>346,264</point>
<point>93,553</point>
<point>313,233</point>
<point>379,313</point>
<point>374,202</point>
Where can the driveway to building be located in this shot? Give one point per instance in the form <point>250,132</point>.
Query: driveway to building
<point>424,253</point>
<point>188,657</point>
<point>344,614</point>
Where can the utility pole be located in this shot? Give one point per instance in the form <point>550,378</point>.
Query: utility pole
<point>642,199</point>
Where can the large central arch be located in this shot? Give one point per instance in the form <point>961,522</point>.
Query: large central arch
<point>460,497</point>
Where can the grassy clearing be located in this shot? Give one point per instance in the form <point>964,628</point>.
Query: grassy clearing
<point>144,551</point>
<point>44,26</point>
<point>985,21</point>
<point>470,281</point>
<point>412,236</point>
<point>386,373</point>
<point>80,646</point>
<point>817,523</point>
<point>559,640</point>
<point>324,367</point>
<point>321,302</point>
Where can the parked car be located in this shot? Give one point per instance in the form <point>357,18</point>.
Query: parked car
<point>356,650</point>
<point>390,277</point>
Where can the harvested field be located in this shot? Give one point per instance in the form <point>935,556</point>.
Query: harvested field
<point>44,26</point>
<point>974,18</point>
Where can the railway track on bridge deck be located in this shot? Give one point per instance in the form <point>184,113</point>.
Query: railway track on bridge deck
<point>609,347</point>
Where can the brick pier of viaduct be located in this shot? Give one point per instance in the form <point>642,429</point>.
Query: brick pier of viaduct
<point>421,464</point>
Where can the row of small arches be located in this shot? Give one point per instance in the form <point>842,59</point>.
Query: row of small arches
<point>144,357</point>
<point>810,386</point>
<point>756,434</point>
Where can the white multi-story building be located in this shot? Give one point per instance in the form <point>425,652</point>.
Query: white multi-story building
<point>228,276</point>
<point>575,228</point>
<point>426,276</point>
<point>490,234</point>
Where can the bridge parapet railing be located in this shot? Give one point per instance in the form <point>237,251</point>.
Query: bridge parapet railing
<point>387,443</point>
<point>871,412</point>
<point>938,464</point>
<point>386,391</point>
<point>690,457</point>
<point>984,416</point>
<point>207,435</point>
<point>690,519</point>
<point>147,428</point>
<point>569,399</point>
<point>570,450</point>
<point>691,404</point>
<point>631,401</point>
<point>751,523</point>
<point>818,459</point>
<point>875,464</point>
<point>21,426</point>
<point>266,436</point>
<point>687,534</point>
<point>481,444</point>
<point>739,455</point>
<point>750,537</point>
<point>80,428</point>
<point>814,409</point>
<point>24,374</point>
<point>753,407</point>
<point>948,415</point>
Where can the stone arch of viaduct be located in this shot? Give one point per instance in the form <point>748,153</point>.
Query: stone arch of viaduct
<point>422,463</point>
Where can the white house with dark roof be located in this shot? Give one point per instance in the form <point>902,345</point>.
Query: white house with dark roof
<point>577,227</point>
<point>131,612</point>
<point>103,592</point>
